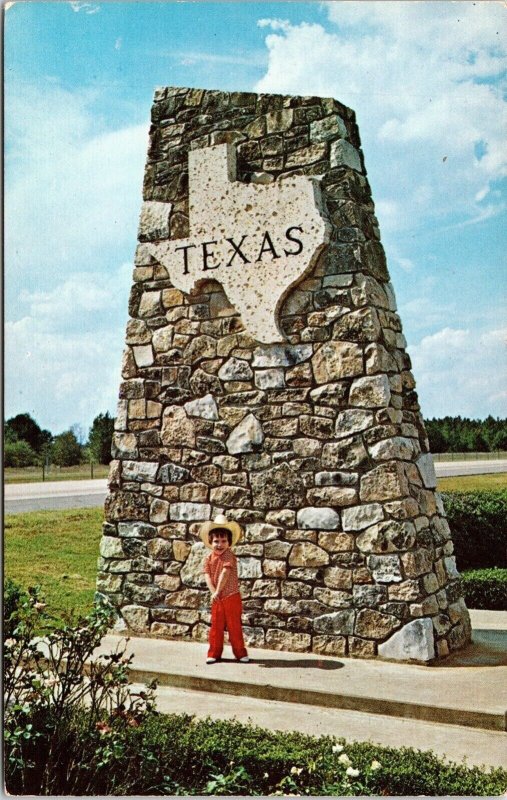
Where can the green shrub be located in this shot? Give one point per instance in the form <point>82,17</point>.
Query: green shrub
<point>478,523</point>
<point>19,454</point>
<point>485,588</point>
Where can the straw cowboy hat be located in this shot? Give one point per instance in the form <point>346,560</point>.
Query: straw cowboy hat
<point>220,521</point>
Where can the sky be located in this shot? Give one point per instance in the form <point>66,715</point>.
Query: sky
<point>427,83</point>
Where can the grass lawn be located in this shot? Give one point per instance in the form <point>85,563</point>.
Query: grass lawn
<point>472,483</point>
<point>82,472</point>
<point>57,550</point>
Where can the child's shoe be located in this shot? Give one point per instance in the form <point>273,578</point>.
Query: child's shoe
<point>211,660</point>
<point>244,660</point>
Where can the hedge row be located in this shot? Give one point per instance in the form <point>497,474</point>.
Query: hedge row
<point>478,522</point>
<point>485,588</point>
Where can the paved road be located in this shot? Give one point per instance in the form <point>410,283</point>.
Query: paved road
<point>92,493</point>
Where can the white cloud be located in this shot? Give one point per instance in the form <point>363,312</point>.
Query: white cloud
<point>88,8</point>
<point>73,188</point>
<point>423,79</point>
<point>460,370</point>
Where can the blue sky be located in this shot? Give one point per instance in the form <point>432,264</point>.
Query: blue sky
<point>427,82</point>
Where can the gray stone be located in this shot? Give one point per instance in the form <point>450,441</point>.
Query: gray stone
<point>246,436</point>
<point>396,447</point>
<point>358,518</point>
<point>235,369</point>
<point>154,220</point>
<point>262,532</point>
<point>415,641</point>
<point>139,470</point>
<point>426,469</point>
<point>312,518</point>
<point>138,530</point>
<point>136,617</point>
<point>204,407</point>
<point>278,355</point>
<point>352,421</point>
<point>270,378</point>
<point>159,510</point>
<point>335,360</point>
<point>111,547</point>
<point>370,392</point>
<point>387,537</point>
<point>323,130</point>
<point>278,487</point>
<point>189,512</point>
<point>249,568</point>
<point>172,473</point>
<point>177,428</point>
<point>341,622</point>
<point>192,570</point>
<point>306,554</point>
<point>385,569</point>
<point>343,154</point>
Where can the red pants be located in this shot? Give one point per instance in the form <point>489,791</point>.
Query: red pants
<point>226,613</point>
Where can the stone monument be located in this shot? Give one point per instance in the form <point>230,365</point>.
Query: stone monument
<point>265,377</point>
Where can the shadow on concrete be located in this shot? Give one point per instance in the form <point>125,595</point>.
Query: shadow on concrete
<point>301,663</point>
<point>488,649</point>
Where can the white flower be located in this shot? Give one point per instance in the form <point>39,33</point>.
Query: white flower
<point>296,770</point>
<point>375,764</point>
<point>351,772</point>
<point>10,642</point>
<point>337,748</point>
<point>266,775</point>
<point>344,759</point>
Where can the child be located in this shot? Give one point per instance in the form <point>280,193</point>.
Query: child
<point>221,575</point>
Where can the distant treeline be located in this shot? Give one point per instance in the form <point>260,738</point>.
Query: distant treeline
<point>463,435</point>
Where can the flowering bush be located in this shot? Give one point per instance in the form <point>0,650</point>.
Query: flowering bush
<point>66,713</point>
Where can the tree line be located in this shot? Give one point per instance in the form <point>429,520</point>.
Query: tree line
<point>26,444</point>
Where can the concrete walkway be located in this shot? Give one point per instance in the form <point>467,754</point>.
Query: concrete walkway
<point>458,708</point>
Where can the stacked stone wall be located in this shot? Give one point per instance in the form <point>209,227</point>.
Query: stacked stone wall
<point>316,445</point>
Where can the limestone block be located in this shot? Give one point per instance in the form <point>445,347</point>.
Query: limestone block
<point>417,562</point>
<point>266,588</point>
<point>181,550</point>
<point>192,570</point>
<point>169,630</point>
<point>187,598</point>
<point>123,506</point>
<point>247,435</point>
<point>235,369</point>
<point>313,518</point>
<point>262,532</point>
<point>172,473</point>
<point>150,305</point>
<point>138,530</point>
<point>283,640</point>
<point>338,578</point>
<point>154,220</point>
<point>159,548</point>
<point>177,428</point>
<point>330,645</point>
<point>124,445</point>
<point>395,447</point>
<point>111,547</point>
<point>159,511</point>
<point>329,128</point>
<point>136,617</point>
<point>346,454</point>
<point>360,326</point>
<point>331,394</point>
<point>386,482</point>
<point>340,622</point>
<point>369,595</point>
<point>230,496</point>
<point>385,569</point>
<point>333,496</point>
<point>279,355</point>
<point>370,392</point>
<point>343,154</point>
<point>306,155</point>
<point>378,359</point>
<point>358,518</point>
<point>406,590</point>
<point>415,641</point>
<point>249,568</point>
<point>279,120</point>
<point>199,348</point>
<point>450,567</point>
<point>162,339</point>
<point>270,378</point>
<point>109,583</point>
<point>277,550</point>
<point>306,554</point>
<point>336,478</point>
<point>387,537</point>
<point>139,470</point>
<point>189,512</point>
<point>427,470</point>
<point>274,569</point>
<point>372,624</point>
<point>352,421</point>
<point>278,487</point>
<point>204,407</point>
<point>172,297</point>
<point>168,583</point>
<point>335,360</point>
<point>333,598</point>
<point>337,542</point>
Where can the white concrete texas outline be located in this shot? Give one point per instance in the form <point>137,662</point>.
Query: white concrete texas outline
<point>257,240</point>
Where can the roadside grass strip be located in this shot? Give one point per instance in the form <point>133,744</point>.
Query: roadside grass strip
<point>472,483</point>
<point>58,551</point>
